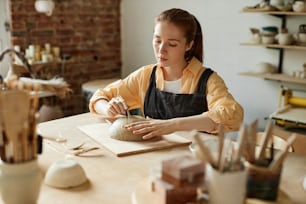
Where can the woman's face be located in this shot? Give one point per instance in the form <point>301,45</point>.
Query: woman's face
<point>169,45</point>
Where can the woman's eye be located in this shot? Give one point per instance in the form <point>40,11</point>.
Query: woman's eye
<point>157,41</point>
<point>172,45</point>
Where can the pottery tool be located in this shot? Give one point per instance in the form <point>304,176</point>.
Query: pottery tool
<point>33,120</point>
<point>204,151</point>
<point>266,138</point>
<point>120,99</point>
<point>227,145</point>
<point>2,152</point>
<point>242,136</point>
<point>250,142</point>
<point>220,144</point>
<point>281,155</point>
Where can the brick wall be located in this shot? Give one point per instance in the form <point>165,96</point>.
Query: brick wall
<point>88,31</point>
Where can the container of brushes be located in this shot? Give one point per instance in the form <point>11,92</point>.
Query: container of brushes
<point>262,182</point>
<point>228,187</point>
<point>20,182</point>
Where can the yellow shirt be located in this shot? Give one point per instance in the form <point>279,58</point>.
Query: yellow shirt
<point>222,107</point>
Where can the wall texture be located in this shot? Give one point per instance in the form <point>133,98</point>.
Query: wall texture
<point>88,31</point>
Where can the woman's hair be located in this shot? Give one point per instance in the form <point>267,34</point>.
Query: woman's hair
<point>190,26</point>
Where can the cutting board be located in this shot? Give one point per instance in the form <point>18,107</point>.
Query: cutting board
<point>99,132</point>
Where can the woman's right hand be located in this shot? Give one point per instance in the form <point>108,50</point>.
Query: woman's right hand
<point>116,106</point>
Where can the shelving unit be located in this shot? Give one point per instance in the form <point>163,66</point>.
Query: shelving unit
<point>279,76</point>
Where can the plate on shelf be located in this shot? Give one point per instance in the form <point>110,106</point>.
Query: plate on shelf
<point>257,9</point>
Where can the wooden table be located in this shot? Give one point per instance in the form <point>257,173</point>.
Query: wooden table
<point>113,180</point>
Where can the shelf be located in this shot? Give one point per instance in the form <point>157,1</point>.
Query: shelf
<point>277,46</point>
<point>276,77</point>
<point>278,13</point>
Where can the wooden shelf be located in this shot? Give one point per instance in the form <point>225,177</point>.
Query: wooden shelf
<point>278,13</point>
<point>276,77</point>
<point>277,46</point>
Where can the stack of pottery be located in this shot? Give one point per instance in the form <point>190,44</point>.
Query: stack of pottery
<point>268,34</point>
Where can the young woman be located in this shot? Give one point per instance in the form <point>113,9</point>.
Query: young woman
<point>177,93</point>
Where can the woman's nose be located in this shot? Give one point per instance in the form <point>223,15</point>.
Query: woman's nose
<point>162,47</point>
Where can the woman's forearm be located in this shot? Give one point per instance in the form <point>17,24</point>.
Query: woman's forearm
<point>197,122</point>
<point>100,107</point>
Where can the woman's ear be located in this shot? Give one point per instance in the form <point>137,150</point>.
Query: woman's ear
<point>189,46</point>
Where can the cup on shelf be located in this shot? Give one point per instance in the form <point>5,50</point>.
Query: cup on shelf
<point>302,28</point>
<point>255,38</point>
<point>284,38</point>
<point>300,38</point>
<point>299,6</point>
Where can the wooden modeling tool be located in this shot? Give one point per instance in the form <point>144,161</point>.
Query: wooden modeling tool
<point>204,151</point>
<point>220,146</point>
<point>227,145</point>
<point>266,138</point>
<point>250,146</point>
<point>240,144</point>
<point>281,155</point>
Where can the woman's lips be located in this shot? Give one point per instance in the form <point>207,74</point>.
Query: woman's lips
<point>162,59</point>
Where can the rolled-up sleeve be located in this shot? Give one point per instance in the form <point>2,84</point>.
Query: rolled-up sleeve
<point>222,107</point>
<point>132,89</point>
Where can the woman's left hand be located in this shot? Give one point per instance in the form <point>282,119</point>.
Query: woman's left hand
<point>151,128</point>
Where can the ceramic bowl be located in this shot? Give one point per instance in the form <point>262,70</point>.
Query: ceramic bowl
<point>264,67</point>
<point>267,39</point>
<point>284,8</point>
<point>270,29</point>
<point>65,174</point>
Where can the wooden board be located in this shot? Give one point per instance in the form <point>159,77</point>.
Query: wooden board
<point>293,114</point>
<point>99,132</point>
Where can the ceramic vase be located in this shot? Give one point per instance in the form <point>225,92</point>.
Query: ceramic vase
<point>20,182</point>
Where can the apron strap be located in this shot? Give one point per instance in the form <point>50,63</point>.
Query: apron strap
<point>203,80</point>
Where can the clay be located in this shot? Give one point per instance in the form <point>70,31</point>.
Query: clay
<point>118,130</point>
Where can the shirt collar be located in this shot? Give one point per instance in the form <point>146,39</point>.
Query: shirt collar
<point>194,66</point>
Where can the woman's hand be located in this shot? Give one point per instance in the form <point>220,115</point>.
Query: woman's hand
<point>116,106</point>
<point>151,128</point>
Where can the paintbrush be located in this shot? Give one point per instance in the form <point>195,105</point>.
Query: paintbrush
<point>242,136</point>
<point>281,155</point>
<point>266,138</point>
<point>204,151</point>
<point>220,146</point>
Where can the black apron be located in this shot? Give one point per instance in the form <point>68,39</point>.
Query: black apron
<point>165,105</point>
